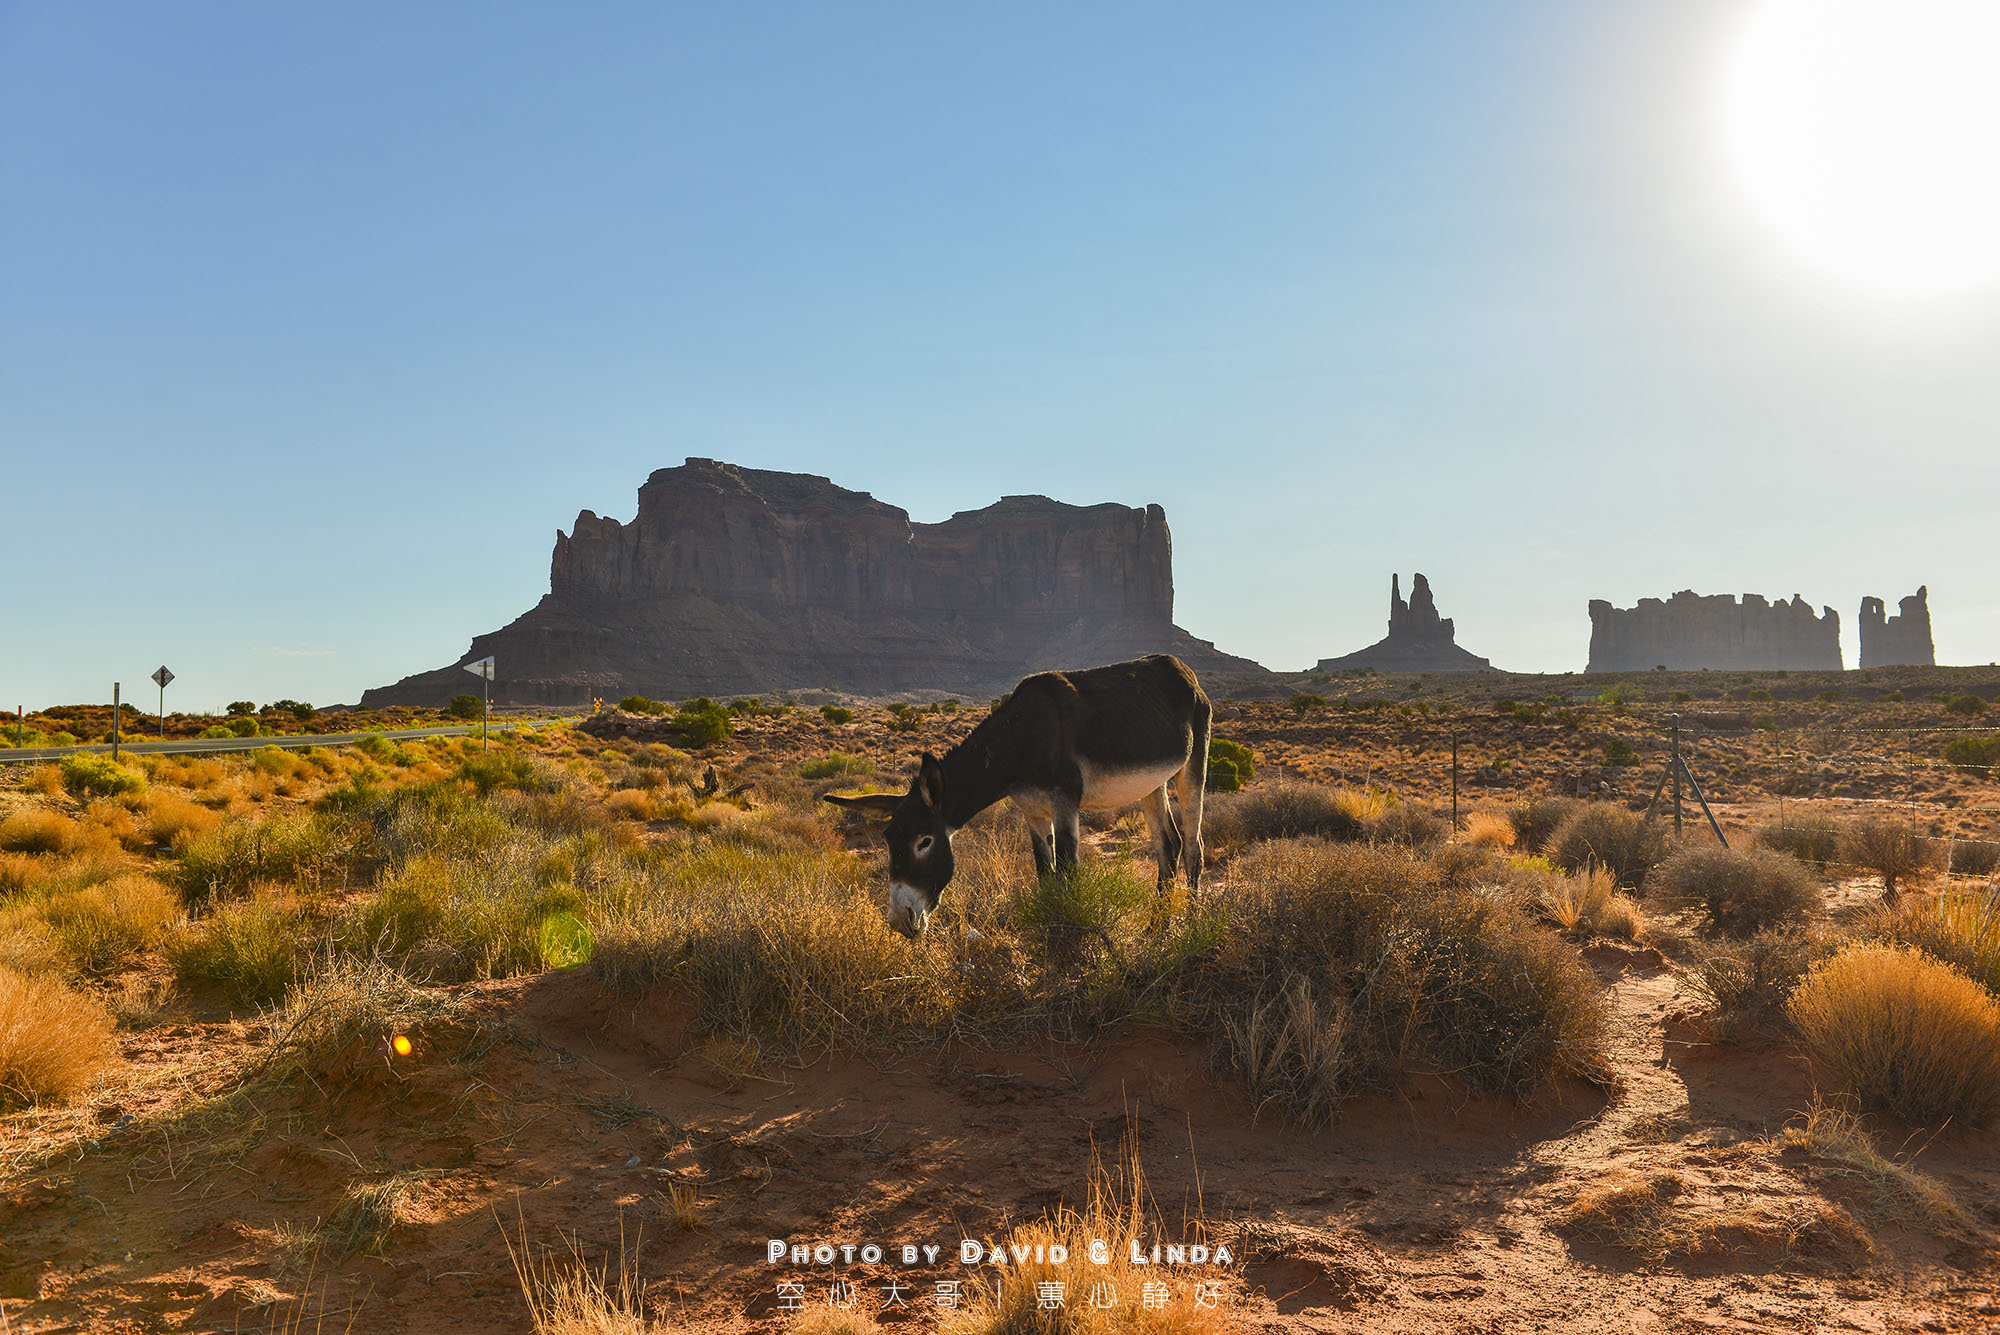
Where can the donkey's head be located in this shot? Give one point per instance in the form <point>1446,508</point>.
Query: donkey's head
<point>919,844</point>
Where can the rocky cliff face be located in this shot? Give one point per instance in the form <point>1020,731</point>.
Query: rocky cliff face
<point>1419,640</point>
<point>735,580</point>
<point>1692,631</point>
<point>1900,640</point>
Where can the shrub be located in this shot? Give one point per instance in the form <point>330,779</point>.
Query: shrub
<point>1618,751</point>
<point>1410,825</point>
<point>510,909</point>
<point>250,948</point>
<point>1965,704</point>
<point>1744,984</point>
<point>495,771</point>
<point>1890,697</point>
<point>1888,846</point>
<point>1089,900</point>
<point>1488,829</point>
<point>1973,857</point>
<point>1610,836</point>
<point>1281,810</point>
<point>101,926</point>
<point>91,775</point>
<point>1903,1034</point>
<point>1973,752</point>
<point>1813,839</point>
<point>467,706</point>
<point>1959,927</point>
<point>238,708</point>
<point>342,1015</point>
<point>175,821</point>
<point>243,727</point>
<point>1303,702</point>
<point>294,847</point>
<point>37,830</point>
<point>1740,891</point>
<point>1537,818</point>
<point>836,714</point>
<point>53,1039</point>
<point>702,722</point>
<point>1391,969</point>
<point>1230,765</point>
<point>214,731</point>
<point>835,765</point>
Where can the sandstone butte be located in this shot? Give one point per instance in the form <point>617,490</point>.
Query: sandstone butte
<point>738,581</point>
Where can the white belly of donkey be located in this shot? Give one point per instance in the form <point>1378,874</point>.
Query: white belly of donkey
<point>1104,788</point>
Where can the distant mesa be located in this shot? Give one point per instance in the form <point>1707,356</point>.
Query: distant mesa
<point>1419,640</point>
<point>738,580</point>
<point>1689,630</point>
<point>1900,640</point>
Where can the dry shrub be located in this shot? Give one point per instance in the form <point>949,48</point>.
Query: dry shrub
<point>1903,1033</point>
<point>1973,857</point>
<point>1608,836</point>
<point>177,821</point>
<point>368,1212</point>
<point>1402,970</point>
<point>46,780</point>
<point>1888,846</point>
<point>1740,891</point>
<point>53,1039</point>
<point>19,873</point>
<point>1813,838</point>
<point>1409,825</point>
<point>1960,927</point>
<point>101,926</point>
<point>1657,1217</point>
<point>38,830</point>
<point>1283,810</point>
<point>106,821</point>
<point>1106,1297</point>
<point>630,804</point>
<point>1488,829</point>
<point>1896,1191</point>
<point>1744,984</point>
<point>297,847</point>
<point>1635,1214</point>
<point>341,1017</point>
<point>1535,819</point>
<point>250,948</point>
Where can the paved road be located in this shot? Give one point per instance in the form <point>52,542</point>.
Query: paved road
<point>212,745</point>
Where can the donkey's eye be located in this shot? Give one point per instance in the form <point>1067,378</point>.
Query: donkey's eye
<point>923,845</point>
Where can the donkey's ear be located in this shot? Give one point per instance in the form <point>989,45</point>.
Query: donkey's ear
<point>879,805</point>
<point>930,782</point>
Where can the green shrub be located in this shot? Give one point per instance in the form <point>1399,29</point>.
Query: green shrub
<point>1740,891</point>
<point>1305,701</point>
<point>1230,765</point>
<point>1973,752</point>
<point>1758,694</point>
<point>1598,833</point>
<point>1086,902</point>
<point>1535,819</point>
<point>295,847</point>
<point>215,730</point>
<point>1903,1034</point>
<point>701,722</point>
<point>238,708</point>
<point>1829,697</point>
<point>1965,704</point>
<point>1889,697</point>
<point>836,714</point>
<point>90,775</point>
<point>250,948</point>
<point>511,910</point>
<point>836,765</point>
<point>376,747</point>
<point>243,727</point>
<point>1618,751</point>
<point>494,770</point>
<point>467,706</point>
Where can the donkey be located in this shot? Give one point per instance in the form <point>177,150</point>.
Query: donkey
<point>1062,743</point>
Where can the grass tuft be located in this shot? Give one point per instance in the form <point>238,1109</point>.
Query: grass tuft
<point>53,1039</point>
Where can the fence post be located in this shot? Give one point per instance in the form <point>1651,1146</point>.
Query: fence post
<point>1674,769</point>
<point>1454,782</point>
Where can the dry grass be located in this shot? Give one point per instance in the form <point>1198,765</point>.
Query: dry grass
<point>250,948</point>
<point>342,1016</point>
<point>53,1039</point>
<point>176,821</point>
<point>1488,829</point>
<point>19,872</point>
<point>1744,984</point>
<point>1608,836</point>
<point>1285,810</point>
<point>685,1208</point>
<point>1960,927</point>
<point>1656,1218</point>
<point>1740,891</point>
<point>1102,1293</point>
<point>38,830</point>
<point>1896,1191</point>
<point>568,1295</point>
<point>1813,839</point>
<point>103,925</point>
<point>1903,1033</point>
<point>368,1212</point>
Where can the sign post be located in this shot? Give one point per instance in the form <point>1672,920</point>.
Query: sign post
<point>163,676</point>
<point>483,670</point>
<point>114,720</point>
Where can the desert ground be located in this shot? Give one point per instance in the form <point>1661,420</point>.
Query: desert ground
<point>560,1035</point>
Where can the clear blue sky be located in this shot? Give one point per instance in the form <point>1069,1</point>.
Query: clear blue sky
<point>317,322</point>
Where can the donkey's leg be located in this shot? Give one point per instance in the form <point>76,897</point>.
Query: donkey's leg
<point>1067,808</point>
<point>1189,786</point>
<point>1166,834</point>
<point>1041,832</point>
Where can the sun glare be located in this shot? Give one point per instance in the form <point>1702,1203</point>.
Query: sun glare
<point>1867,134</point>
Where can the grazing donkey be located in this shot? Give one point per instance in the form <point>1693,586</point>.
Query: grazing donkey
<point>1063,742</point>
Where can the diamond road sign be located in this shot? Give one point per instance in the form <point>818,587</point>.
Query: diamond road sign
<point>483,668</point>
<point>162,677</point>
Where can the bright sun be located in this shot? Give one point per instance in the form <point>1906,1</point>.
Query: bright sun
<point>1867,133</point>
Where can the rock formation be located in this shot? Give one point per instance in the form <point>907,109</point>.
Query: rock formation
<point>733,580</point>
<point>1901,639</point>
<point>1692,631</point>
<point>1419,640</point>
